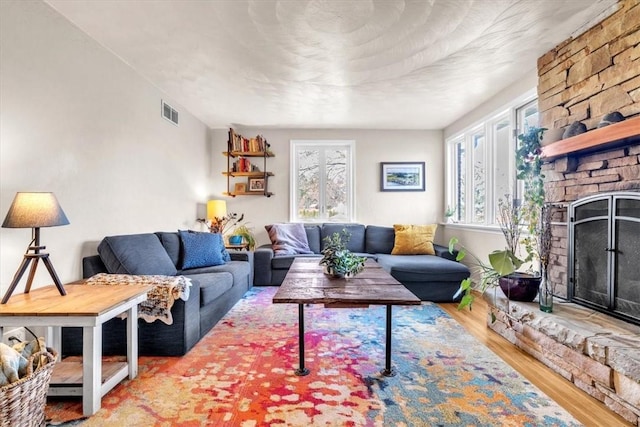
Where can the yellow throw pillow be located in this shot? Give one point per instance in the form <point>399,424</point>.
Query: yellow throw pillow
<point>414,239</point>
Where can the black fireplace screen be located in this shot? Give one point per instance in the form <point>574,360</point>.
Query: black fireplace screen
<point>604,254</point>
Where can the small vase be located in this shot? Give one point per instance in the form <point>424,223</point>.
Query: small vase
<point>545,295</point>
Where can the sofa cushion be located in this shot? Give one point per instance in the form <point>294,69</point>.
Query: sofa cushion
<point>135,254</point>
<point>212,285</point>
<point>313,237</point>
<point>288,239</point>
<point>356,242</point>
<point>240,270</point>
<point>414,239</point>
<point>423,268</point>
<point>379,240</point>
<point>171,243</point>
<point>201,249</point>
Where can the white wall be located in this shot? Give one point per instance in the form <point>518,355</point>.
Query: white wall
<point>76,120</point>
<point>372,147</point>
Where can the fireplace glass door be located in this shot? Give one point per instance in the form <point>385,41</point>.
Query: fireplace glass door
<point>604,254</point>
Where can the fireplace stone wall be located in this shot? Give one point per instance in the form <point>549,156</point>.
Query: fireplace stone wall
<point>583,79</point>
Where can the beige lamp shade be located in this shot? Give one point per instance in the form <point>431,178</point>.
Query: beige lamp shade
<point>216,209</point>
<point>33,210</point>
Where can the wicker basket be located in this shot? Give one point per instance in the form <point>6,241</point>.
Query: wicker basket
<point>22,403</point>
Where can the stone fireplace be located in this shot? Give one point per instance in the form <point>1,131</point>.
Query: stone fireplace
<point>593,344</point>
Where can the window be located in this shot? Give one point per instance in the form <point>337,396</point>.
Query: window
<point>481,163</point>
<point>322,181</point>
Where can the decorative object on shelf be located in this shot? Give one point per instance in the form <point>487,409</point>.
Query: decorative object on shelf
<point>402,176</point>
<point>240,154</point>
<point>575,128</point>
<point>256,184</point>
<point>218,220</point>
<point>610,118</point>
<point>338,261</point>
<point>552,135</point>
<point>34,210</point>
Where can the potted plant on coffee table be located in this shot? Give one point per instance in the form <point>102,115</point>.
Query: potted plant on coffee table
<point>338,261</point>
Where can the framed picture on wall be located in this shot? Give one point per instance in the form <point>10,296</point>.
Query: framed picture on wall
<point>240,187</point>
<point>256,184</point>
<point>402,176</point>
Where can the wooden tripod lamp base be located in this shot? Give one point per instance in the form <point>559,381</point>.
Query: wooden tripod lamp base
<point>28,258</point>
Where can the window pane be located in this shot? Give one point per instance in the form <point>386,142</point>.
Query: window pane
<point>336,184</point>
<point>461,164</point>
<point>503,177</point>
<point>321,185</point>
<point>308,184</point>
<point>479,177</point>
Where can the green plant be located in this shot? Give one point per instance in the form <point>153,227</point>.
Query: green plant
<point>247,234</point>
<point>529,170</point>
<point>337,259</point>
<point>501,262</point>
<point>511,217</point>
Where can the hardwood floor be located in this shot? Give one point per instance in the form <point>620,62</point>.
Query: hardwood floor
<point>583,407</point>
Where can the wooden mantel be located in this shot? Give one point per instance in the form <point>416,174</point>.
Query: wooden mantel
<point>616,133</point>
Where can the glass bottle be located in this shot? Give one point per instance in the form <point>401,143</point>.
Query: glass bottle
<point>545,294</point>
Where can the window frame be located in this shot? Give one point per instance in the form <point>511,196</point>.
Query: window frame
<point>323,144</point>
<point>486,126</point>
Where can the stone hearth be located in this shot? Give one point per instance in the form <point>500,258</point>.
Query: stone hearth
<point>596,352</point>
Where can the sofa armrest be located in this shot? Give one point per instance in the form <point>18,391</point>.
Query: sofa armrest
<point>92,265</point>
<point>262,257</point>
<point>443,252</point>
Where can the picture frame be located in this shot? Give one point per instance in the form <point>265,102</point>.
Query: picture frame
<point>240,187</point>
<point>256,184</point>
<point>402,176</point>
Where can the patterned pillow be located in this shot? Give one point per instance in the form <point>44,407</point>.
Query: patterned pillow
<point>288,239</point>
<point>414,239</point>
<point>202,249</point>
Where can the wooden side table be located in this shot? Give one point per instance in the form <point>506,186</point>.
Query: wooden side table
<point>87,306</point>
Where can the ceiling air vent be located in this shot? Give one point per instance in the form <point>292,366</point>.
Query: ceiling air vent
<point>169,113</point>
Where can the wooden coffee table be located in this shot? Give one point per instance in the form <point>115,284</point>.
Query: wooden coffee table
<point>88,306</point>
<point>305,283</point>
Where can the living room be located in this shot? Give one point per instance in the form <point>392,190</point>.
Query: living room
<point>80,121</point>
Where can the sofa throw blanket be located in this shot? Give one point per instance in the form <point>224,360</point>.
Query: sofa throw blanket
<point>160,299</point>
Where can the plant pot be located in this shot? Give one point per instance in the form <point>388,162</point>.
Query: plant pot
<point>235,240</point>
<point>520,286</point>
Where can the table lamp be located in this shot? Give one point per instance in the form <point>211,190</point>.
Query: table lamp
<point>217,214</point>
<point>34,210</point>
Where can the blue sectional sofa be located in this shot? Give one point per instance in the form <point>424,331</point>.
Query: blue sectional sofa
<point>430,277</point>
<point>215,289</point>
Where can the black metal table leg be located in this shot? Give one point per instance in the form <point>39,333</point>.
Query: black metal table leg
<point>301,371</point>
<point>388,371</point>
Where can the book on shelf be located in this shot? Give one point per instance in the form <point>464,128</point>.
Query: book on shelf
<point>248,145</point>
<point>244,165</point>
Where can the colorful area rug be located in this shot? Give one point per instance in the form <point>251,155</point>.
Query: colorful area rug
<point>241,374</point>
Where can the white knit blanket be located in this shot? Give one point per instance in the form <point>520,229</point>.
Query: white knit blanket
<point>160,299</point>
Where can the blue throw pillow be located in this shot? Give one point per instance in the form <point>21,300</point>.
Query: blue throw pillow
<point>202,249</point>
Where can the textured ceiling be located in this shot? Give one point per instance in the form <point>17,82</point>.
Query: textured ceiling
<point>377,64</point>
